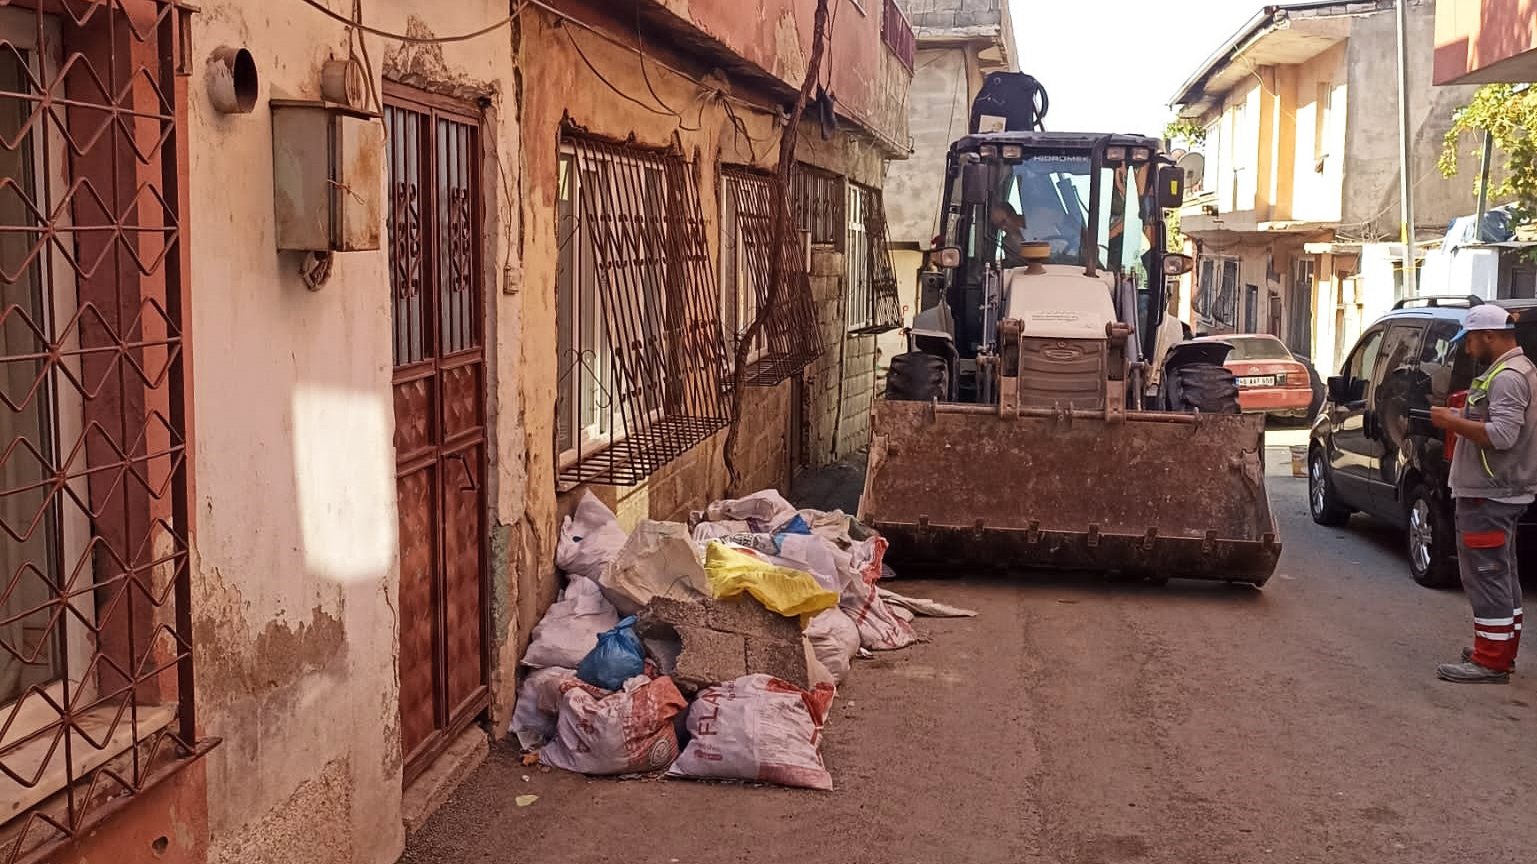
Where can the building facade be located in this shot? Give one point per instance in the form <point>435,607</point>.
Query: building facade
<point>959,43</point>
<point>1294,219</point>
<point>315,317</point>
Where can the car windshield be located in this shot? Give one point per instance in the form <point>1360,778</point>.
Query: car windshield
<point>1257,349</point>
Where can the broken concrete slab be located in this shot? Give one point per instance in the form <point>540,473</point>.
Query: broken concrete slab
<point>722,640</point>
<point>743,614</point>
<point>709,657</point>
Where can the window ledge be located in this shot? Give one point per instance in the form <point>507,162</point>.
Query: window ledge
<point>93,726</point>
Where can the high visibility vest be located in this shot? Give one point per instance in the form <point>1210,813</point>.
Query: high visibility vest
<point>1479,392</point>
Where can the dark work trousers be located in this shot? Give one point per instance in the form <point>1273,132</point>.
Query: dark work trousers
<point>1486,556</point>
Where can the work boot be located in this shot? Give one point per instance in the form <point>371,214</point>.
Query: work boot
<point>1470,673</point>
<point>1467,657</point>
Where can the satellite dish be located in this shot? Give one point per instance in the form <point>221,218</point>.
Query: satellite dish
<point>1194,166</point>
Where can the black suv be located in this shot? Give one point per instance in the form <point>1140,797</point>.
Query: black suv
<point>1372,447</point>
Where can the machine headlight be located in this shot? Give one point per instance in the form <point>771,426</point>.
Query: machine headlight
<point>988,151</point>
<point>1013,152</point>
<point>1115,154</point>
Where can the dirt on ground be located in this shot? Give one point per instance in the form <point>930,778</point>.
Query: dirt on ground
<point>1077,721</point>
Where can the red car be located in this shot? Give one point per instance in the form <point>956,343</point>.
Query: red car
<point>1270,379</point>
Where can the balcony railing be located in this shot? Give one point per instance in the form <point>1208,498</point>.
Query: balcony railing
<point>897,33</point>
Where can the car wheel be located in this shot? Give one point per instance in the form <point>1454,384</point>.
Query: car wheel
<point>1432,553</point>
<point>1323,501</point>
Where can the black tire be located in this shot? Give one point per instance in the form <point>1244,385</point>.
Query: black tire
<point>917,377</point>
<point>1431,539</point>
<point>1206,387</point>
<point>1323,502</point>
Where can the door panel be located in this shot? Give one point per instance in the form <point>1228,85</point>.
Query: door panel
<point>1401,386</point>
<point>1357,453</point>
<point>440,431</point>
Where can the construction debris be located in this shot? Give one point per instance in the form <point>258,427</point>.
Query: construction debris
<point>754,612</point>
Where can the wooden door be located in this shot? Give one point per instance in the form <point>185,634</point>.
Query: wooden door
<point>440,410</point>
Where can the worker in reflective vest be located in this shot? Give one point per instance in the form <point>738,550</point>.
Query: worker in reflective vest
<point>1494,480</point>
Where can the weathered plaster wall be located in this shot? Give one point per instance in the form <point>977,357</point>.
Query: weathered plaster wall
<point>295,557</point>
<point>870,86</point>
<point>1320,89</point>
<point>940,111</point>
<point>1478,41</point>
<point>1371,171</point>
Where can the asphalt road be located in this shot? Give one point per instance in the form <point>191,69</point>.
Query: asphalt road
<point>1077,722</point>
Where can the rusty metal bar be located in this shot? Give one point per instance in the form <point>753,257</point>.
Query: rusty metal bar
<point>818,202</point>
<point>640,219</point>
<point>790,336</point>
<point>93,393</point>
<point>1066,414</point>
<point>874,306</point>
<point>898,35</point>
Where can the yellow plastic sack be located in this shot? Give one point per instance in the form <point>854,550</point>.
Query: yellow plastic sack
<point>786,591</point>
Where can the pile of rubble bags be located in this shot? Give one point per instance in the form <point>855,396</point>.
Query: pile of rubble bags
<point>707,650</point>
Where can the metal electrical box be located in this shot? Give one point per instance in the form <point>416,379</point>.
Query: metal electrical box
<point>327,161</point>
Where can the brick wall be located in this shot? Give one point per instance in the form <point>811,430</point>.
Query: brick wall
<point>841,382</point>
<point>699,476</point>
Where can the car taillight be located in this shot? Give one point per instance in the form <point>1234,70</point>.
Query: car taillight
<point>1458,400</point>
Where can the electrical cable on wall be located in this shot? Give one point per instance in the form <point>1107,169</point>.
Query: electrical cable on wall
<point>415,40</point>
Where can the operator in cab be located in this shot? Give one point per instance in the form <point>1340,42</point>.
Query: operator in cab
<point>1042,225</point>
<point>1494,480</point>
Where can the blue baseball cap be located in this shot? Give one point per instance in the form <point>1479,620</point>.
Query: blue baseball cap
<point>1486,316</point>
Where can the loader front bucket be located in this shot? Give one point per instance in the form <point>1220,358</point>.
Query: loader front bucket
<point>1151,494</point>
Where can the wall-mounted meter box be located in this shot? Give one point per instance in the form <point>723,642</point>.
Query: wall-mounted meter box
<point>327,160</point>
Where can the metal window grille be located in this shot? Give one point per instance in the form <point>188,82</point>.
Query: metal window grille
<point>873,304</point>
<point>95,622</point>
<point>646,386</point>
<point>817,198</point>
<point>897,33</point>
<point>789,333</point>
<point>1226,309</point>
<point>1206,287</point>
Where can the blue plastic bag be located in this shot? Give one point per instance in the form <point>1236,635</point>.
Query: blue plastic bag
<point>616,658</point>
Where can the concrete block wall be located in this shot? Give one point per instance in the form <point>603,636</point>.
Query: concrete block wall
<point>841,382</point>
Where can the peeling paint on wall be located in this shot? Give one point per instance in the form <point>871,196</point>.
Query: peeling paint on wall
<point>313,824</point>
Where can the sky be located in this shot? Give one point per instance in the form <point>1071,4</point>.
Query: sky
<point>1118,75</point>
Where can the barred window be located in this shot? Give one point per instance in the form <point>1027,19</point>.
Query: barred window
<point>788,340</point>
<point>873,304</point>
<point>639,329</point>
<point>816,200</point>
<point>95,649</point>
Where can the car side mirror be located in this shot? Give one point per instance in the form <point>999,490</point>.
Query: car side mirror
<point>1339,389</point>
<point>1171,187</point>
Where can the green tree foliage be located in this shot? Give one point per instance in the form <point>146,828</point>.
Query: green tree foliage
<point>1180,129</point>
<point>1509,113</point>
<point>1192,135</point>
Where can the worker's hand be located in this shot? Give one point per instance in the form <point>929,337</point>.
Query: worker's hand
<point>1442,418</point>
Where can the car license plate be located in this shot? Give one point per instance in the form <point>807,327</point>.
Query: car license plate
<point>1257,381</point>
